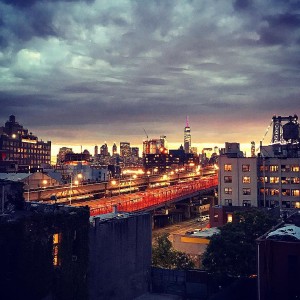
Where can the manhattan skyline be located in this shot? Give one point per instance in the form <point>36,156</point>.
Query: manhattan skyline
<point>86,72</point>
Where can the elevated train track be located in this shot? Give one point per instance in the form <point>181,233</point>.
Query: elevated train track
<point>151,198</point>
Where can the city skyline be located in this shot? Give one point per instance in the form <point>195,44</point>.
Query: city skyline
<point>86,72</point>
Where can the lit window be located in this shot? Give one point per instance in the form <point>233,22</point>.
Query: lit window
<point>296,204</point>
<point>295,180</point>
<point>246,168</point>
<point>273,168</point>
<point>262,179</point>
<point>274,192</point>
<point>274,179</point>
<point>229,218</point>
<point>228,190</point>
<point>246,179</point>
<point>56,248</point>
<point>227,167</point>
<point>228,179</point>
<point>295,168</point>
<point>296,193</point>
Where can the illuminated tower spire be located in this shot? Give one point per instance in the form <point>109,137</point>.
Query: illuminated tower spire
<point>187,137</point>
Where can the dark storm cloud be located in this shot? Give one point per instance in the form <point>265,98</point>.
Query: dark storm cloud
<point>241,5</point>
<point>280,29</point>
<point>29,3</point>
<point>82,64</point>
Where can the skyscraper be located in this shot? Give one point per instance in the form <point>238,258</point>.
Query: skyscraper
<point>114,149</point>
<point>125,150</point>
<point>187,137</point>
<point>96,151</point>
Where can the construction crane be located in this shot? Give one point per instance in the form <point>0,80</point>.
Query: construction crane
<point>146,134</point>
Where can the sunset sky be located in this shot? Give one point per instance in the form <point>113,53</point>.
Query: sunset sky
<point>86,72</point>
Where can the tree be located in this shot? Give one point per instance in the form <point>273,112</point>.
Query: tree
<point>164,256</point>
<point>233,251</point>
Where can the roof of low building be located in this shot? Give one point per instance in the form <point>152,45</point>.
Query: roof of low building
<point>14,176</point>
<point>286,232</point>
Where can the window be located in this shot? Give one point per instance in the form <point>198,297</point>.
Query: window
<point>246,203</point>
<point>295,168</point>
<point>246,168</point>
<point>296,193</point>
<point>296,204</point>
<point>229,217</point>
<point>262,179</point>
<point>228,191</point>
<point>263,191</point>
<point>246,179</point>
<point>227,167</point>
<point>263,168</point>
<point>295,180</point>
<point>228,202</point>
<point>285,180</point>
<point>56,249</point>
<point>273,168</point>
<point>286,192</point>
<point>274,179</point>
<point>274,192</point>
<point>228,179</point>
<point>285,168</point>
<point>246,191</point>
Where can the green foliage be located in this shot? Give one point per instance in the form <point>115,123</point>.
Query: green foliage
<point>164,256</point>
<point>233,251</point>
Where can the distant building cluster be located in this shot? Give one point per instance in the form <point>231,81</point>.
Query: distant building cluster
<point>19,147</point>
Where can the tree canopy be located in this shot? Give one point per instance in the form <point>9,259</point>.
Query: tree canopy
<point>233,251</point>
<point>164,256</point>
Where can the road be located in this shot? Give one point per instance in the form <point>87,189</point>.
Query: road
<point>179,228</point>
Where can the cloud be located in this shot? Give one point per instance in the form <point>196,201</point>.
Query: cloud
<point>110,68</point>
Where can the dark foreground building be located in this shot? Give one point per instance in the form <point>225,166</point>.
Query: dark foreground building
<point>56,252</point>
<point>120,256</point>
<point>279,261</point>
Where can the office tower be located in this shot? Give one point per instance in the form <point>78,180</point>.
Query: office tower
<point>114,149</point>
<point>187,137</point>
<point>104,150</point>
<point>22,146</point>
<point>125,150</point>
<point>96,151</point>
<point>252,149</point>
<point>135,151</point>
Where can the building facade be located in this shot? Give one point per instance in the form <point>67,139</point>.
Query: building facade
<point>125,150</point>
<point>19,145</point>
<point>271,179</point>
<point>187,140</point>
<point>237,181</point>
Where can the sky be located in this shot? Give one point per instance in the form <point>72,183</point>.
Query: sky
<point>93,71</point>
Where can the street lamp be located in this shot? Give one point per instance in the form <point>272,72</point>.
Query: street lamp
<point>133,177</point>
<point>76,182</point>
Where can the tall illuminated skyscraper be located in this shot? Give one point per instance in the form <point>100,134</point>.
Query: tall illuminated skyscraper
<point>187,137</point>
<point>114,149</point>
